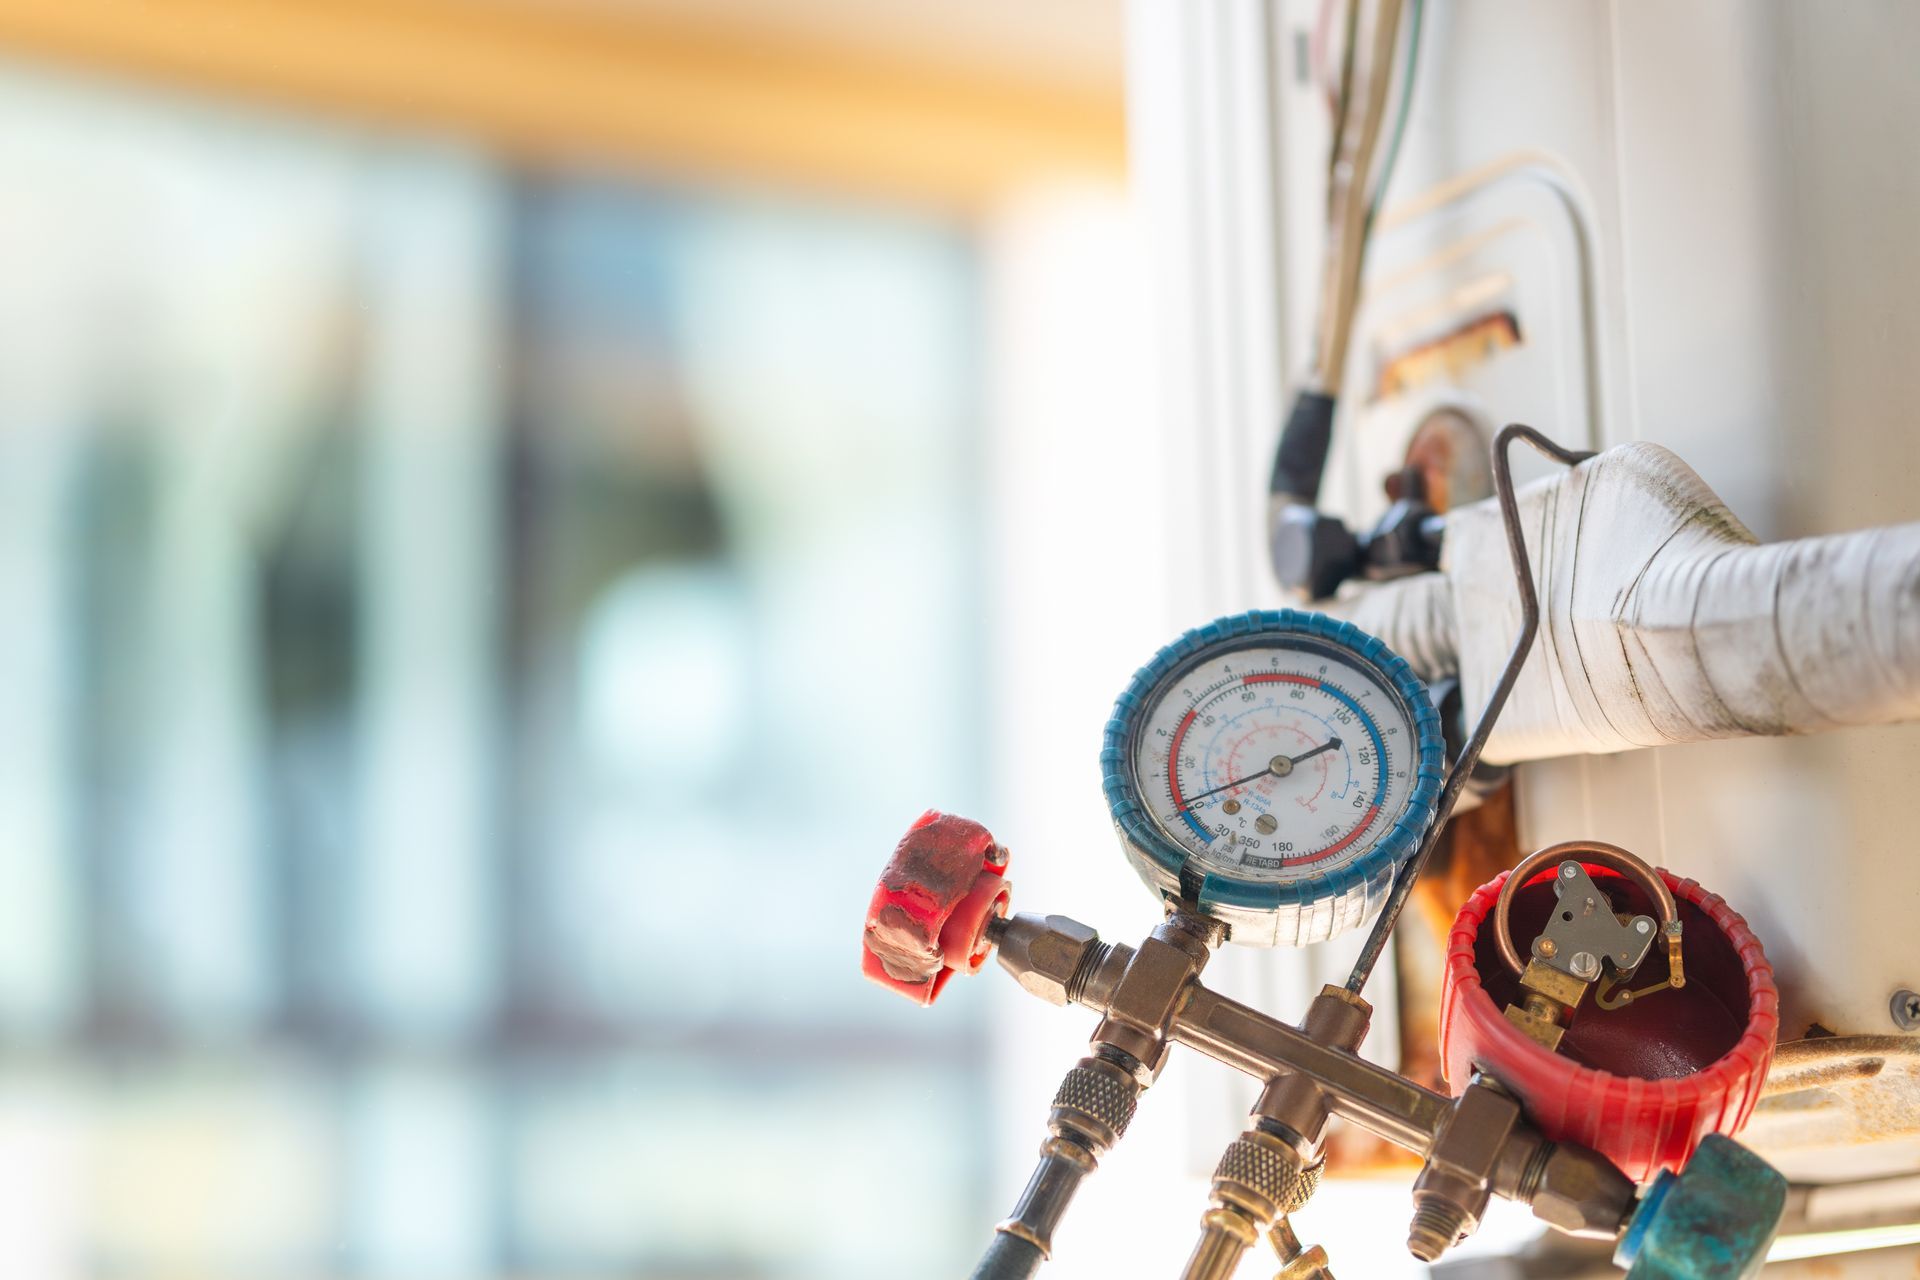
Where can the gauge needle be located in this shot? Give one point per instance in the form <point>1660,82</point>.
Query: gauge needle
<point>1279,767</point>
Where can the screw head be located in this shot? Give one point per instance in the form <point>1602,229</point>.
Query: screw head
<point>1585,965</point>
<point>1905,1007</point>
<point>1642,925</point>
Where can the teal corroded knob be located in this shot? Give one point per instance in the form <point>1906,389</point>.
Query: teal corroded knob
<point>1712,1222</point>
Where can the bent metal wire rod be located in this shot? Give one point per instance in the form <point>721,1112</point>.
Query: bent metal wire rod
<point>1469,756</point>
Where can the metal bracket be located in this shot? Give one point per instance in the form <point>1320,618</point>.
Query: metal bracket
<point>1583,932</point>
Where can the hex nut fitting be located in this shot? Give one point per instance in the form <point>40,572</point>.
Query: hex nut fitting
<point>1456,1181</point>
<point>1580,1193</point>
<point>1044,955</point>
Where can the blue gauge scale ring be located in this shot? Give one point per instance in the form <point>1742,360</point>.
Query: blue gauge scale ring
<point>1277,767</point>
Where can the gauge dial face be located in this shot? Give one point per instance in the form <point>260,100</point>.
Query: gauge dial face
<point>1277,760</point>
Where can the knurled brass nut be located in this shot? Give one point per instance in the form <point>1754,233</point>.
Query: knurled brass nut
<point>1095,1103</point>
<point>1260,1174</point>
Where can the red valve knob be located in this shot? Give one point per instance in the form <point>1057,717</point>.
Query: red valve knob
<point>1642,1084</point>
<point>928,918</point>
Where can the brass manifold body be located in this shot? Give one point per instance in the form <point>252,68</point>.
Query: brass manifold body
<point>1150,998</point>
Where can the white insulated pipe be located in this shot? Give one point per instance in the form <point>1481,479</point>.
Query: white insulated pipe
<point>1662,618</point>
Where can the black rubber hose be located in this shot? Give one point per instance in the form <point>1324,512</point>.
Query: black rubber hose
<point>1302,456</point>
<point>1009,1258</point>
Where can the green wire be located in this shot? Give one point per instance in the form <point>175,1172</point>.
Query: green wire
<point>1400,119</point>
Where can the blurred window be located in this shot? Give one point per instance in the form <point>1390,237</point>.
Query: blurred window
<point>472,638</point>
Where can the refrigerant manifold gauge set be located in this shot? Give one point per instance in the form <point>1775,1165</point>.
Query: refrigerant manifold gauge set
<point>1279,778</point>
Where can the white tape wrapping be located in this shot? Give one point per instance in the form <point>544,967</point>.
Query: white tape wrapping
<point>1662,620</point>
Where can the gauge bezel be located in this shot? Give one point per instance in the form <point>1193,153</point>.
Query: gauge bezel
<point>1309,631</point>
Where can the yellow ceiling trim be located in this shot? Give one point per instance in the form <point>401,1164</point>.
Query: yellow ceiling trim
<point>558,81</point>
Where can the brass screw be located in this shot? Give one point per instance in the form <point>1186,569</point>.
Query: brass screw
<point>1548,949</point>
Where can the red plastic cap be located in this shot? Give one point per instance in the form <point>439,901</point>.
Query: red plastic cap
<point>1684,1063</point>
<point>928,918</point>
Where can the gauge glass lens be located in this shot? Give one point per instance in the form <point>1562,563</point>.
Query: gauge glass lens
<point>1275,761</point>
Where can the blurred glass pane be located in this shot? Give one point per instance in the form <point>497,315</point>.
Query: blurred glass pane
<point>750,655</point>
<point>818,1169</point>
<point>472,639</point>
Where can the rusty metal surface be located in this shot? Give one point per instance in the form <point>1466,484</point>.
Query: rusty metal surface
<point>1826,1098</point>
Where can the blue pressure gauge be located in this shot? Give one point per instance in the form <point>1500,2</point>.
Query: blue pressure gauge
<point>1276,768</point>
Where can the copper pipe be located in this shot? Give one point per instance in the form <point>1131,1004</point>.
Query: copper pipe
<point>1595,852</point>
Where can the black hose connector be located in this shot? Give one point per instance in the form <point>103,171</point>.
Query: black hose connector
<point>1009,1257</point>
<point>1311,553</point>
<point>1091,1111</point>
<point>1302,457</point>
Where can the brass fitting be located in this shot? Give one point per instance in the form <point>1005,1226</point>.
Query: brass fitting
<point>1552,997</point>
<point>1047,956</point>
<point>1296,1263</point>
<point>1147,995</point>
<point>1456,1182</point>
